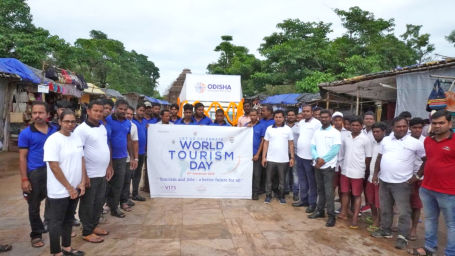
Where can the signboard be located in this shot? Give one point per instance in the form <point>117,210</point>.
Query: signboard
<point>190,161</point>
<point>43,88</point>
<point>210,88</point>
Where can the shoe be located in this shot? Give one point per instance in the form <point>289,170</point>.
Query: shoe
<point>331,222</point>
<point>138,198</point>
<point>365,208</point>
<point>76,223</point>
<point>317,214</point>
<point>255,197</point>
<point>381,234</point>
<point>337,211</point>
<point>282,201</point>
<point>73,252</point>
<point>130,203</point>
<point>103,219</point>
<point>268,199</point>
<point>117,213</point>
<point>295,197</point>
<point>401,242</point>
<point>310,209</point>
<point>299,204</point>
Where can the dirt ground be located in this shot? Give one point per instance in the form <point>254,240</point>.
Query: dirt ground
<point>163,226</point>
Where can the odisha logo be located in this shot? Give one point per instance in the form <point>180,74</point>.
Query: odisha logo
<point>200,87</point>
<point>219,87</point>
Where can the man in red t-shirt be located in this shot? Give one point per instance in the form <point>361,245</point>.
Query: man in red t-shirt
<point>438,186</point>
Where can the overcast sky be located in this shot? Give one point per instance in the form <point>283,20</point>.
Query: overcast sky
<point>178,34</point>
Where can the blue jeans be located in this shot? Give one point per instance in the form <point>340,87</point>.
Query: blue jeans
<point>307,182</point>
<point>434,203</point>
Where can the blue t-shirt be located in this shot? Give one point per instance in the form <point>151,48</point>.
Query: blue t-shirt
<point>175,122</point>
<point>33,140</point>
<point>119,140</point>
<point>181,122</point>
<point>266,123</point>
<point>217,124</point>
<point>257,137</point>
<point>153,120</point>
<point>141,134</point>
<point>204,121</point>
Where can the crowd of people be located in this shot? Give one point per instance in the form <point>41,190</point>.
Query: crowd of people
<point>313,153</point>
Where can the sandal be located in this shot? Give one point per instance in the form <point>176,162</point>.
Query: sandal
<point>126,207</point>
<point>93,238</point>
<point>372,228</point>
<point>100,232</point>
<point>414,251</point>
<point>5,247</point>
<point>37,242</point>
<point>412,238</point>
<point>354,227</point>
<point>73,252</point>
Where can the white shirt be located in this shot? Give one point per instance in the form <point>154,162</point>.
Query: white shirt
<point>418,161</point>
<point>324,139</point>
<point>355,151</point>
<point>369,134</point>
<point>306,133</point>
<point>295,134</point>
<point>68,152</point>
<point>375,147</point>
<point>398,158</point>
<point>134,137</point>
<point>161,122</point>
<point>340,155</point>
<point>278,138</point>
<point>96,149</point>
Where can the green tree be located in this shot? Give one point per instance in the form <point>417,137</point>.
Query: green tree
<point>451,37</point>
<point>420,44</point>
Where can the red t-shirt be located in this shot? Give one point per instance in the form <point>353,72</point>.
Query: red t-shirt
<point>439,173</point>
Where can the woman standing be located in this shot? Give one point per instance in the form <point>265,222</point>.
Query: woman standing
<point>66,178</point>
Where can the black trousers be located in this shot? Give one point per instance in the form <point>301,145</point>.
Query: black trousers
<point>271,170</point>
<point>61,217</point>
<point>38,180</point>
<point>326,195</point>
<point>257,176</point>
<point>91,205</point>
<point>137,175</point>
<point>125,195</point>
<point>115,185</point>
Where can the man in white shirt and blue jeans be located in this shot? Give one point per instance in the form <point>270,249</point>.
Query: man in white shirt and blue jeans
<point>278,146</point>
<point>324,149</point>
<point>394,170</point>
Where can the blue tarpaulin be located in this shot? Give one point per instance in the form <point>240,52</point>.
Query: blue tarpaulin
<point>14,66</point>
<point>288,99</point>
<point>153,100</point>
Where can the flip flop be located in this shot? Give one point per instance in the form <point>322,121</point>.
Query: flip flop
<point>100,232</point>
<point>92,238</point>
<point>354,227</point>
<point>412,238</point>
<point>37,242</point>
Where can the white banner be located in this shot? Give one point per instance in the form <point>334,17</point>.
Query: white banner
<point>190,161</point>
<point>209,88</point>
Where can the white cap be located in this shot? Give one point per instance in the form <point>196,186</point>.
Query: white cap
<point>337,114</point>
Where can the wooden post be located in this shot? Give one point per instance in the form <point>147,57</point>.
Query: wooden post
<point>327,101</point>
<point>357,102</point>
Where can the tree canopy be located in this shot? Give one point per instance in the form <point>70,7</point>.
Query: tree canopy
<point>99,59</point>
<point>301,54</point>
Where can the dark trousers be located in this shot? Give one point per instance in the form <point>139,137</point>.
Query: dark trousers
<point>397,194</point>
<point>91,205</point>
<point>38,179</point>
<point>115,185</point>
<point>125,195</point>
<point>146,187</point>
<point>271,170</point>
<point>257,175</point>
<point>326,196</point>
<point>137,174</point>
<point>61,216</point>
<point>307,181</point>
